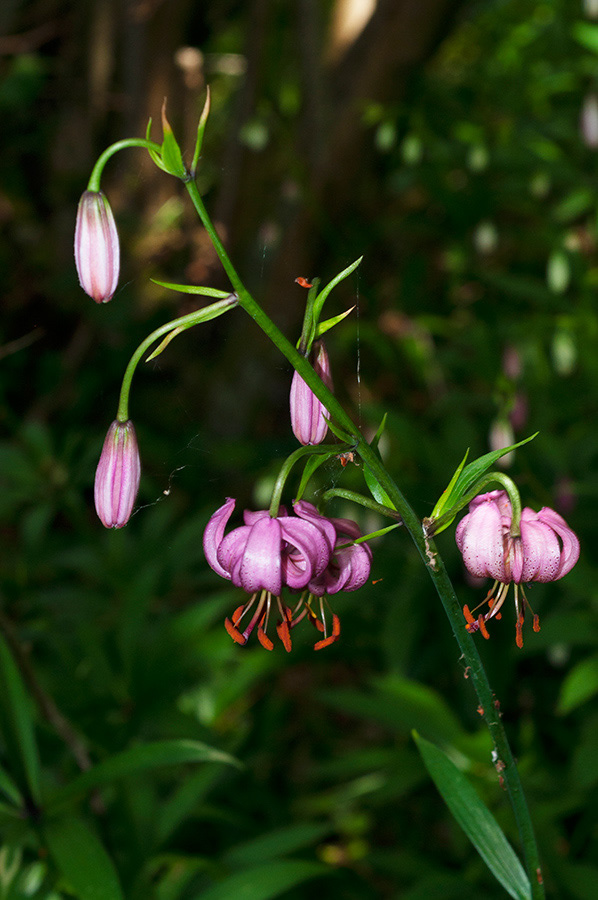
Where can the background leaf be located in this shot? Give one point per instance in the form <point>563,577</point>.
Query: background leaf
<point>475,819</point>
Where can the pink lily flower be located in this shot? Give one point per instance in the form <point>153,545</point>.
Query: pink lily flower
<point>348,569</point>
<point>545,550</point>
<point>262,556</point>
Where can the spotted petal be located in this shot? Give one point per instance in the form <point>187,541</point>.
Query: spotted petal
<point>570,549</point>
<point>479,537</point>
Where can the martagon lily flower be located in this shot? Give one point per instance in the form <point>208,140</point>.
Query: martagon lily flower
<point>262,556</point>
<point>306,552</point>
<point>545,550</point>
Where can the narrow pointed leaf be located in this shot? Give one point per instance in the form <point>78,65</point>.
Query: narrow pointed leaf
<point>171,152</point>
<point>16,720</point>
<point>265,881</point>
<point>139,759</point>
<point>475,819</point>
<point>456,497</point>
<point>312,464</point>
<point>376,439</point>
<point>322,296</point>
<point>325,326</point>
<point>9,788</point>
<point>193,289</point>
<point>156,158</point>
<point>377,492</point>
<point>81,858</point>
<point>201,127</point>
<point>442,502</point>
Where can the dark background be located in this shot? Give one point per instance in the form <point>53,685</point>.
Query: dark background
<point>442,141</point>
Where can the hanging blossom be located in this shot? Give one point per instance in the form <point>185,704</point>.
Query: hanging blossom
<point>117,475</point>
<point>545,550</point>
<point>97,248</point>
<point>308,414</point>
<point>306,552</point>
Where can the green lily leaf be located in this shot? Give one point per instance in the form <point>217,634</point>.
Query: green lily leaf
<point>325,326</point>
<point>312,464</point>
<point>138,759</point>
<point>84,863</point>
<point>156,158</point>
<point>193,289</point>
<point>475,819</point>
<point>455,496</point>
<point>265,881</point>
<point>321,298</point>
<point>201,127</point>
<point>16,721</point>
<point>171,152</point>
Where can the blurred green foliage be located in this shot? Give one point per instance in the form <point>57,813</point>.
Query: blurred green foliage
<point>476,211</point>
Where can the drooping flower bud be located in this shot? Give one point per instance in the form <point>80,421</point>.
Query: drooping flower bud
<point>117,475</point>
<point>97,251</point>
<point>307,412</point>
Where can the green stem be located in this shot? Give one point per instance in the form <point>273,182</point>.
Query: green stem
<point>425,547</point>
<point>188,321</point>
<point>96,174</point>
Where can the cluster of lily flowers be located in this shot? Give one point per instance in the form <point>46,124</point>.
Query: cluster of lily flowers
<point>306,554</point>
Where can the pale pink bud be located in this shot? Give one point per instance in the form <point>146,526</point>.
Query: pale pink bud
<point>307,412</point>
<point>117,475</point>
<point>97,251</point>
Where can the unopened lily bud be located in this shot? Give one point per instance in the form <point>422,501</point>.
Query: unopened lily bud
<point>117,475</point>
<point>307,412</point>
<point>97,251</point>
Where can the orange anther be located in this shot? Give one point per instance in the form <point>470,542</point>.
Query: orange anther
<point>336,626</point>
<point>237,614</point>
<point>282,629</point>
<point>303,282</point>
<point>468,616</point>
<point>264,639</point>
<point>234,632</point>
<point>498,616</point>
<point>519,632</point>
<point>482,626</point>
<point>536,625</point>
<point>326,642</point>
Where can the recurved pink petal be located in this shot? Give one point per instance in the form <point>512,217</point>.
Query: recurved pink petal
<point>213,535</point>
<point>570,549</point>
<point>309,513</point>
<point>479,537</point>
<point>310,554</point>
<point>261,565</point>
<point>541,550</point>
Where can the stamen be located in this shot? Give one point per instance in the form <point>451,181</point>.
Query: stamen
<point>536,625</point>
<point>519,631</point>
<point>234,632</point>
<point>482,626</point>
<point>264,639</point>
<point>282,629</point>
<point>468,616</point>
<point>325,643</point>
<point>236,616</point>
